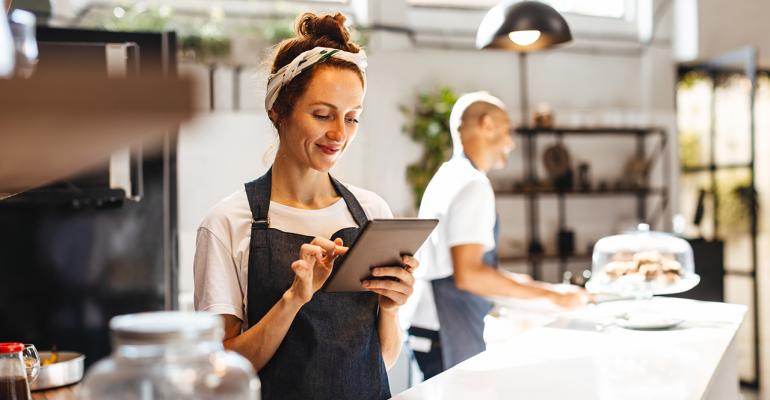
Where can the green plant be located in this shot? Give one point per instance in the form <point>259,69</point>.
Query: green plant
<point>138,18</point>
<point>428,124</point>
<point>205,42</point>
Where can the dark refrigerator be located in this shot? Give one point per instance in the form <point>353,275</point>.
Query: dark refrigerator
<point>77,252</point>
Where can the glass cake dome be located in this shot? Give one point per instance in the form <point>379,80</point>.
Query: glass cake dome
<point>642,263</point>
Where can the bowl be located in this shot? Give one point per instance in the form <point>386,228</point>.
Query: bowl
<point>66,371</point>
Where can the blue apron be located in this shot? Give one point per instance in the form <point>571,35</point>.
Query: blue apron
<point>461,314</point>
<point>332,348</point>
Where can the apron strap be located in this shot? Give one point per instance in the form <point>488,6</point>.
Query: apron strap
<point>353,205</point>
<point>258,193</point>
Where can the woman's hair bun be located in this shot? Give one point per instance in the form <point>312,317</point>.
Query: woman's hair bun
<point>331,27</point>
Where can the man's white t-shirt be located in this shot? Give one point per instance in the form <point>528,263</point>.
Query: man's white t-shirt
<point>221,266</point>
<point>462,199</point>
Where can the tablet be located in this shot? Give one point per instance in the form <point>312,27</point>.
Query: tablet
<point>381,243</point>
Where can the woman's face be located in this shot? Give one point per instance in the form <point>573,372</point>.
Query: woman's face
<point>324,120</point>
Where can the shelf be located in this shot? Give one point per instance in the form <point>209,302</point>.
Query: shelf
<point>588,131</point>
<point>74,198</point>
<point>592,193</point>
<point>545,257</point>
<point>60,126</point>
<point>715,167</point>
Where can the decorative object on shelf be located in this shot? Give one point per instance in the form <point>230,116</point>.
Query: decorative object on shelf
<point>565,240</point>
<point>543,116</point>
<point>584,177</point>
<point>558,165</point>
<point>522,26</point>
<point>428,125</point>
<point>635,173</point>
<point>535,248</point>
<point>603,186</point>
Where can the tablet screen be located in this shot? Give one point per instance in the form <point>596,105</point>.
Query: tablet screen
<point>381,243</point>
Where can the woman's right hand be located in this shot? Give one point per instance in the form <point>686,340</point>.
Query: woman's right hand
<point>314,266</point>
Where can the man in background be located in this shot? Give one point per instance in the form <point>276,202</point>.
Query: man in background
<point>459,260</point>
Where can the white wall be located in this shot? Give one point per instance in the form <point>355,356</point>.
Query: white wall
<point>726,25</point>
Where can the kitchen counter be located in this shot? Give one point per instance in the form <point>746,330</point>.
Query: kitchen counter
<point>583,354</point>
<point>63,393</point>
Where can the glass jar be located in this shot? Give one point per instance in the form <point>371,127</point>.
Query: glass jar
<point>170,355</point>
<point>13,373</point>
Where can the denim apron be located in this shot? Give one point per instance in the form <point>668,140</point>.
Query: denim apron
<point>461,314</point>
<point>332,348</point>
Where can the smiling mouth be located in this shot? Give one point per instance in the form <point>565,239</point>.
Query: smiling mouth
<point>329,150</point>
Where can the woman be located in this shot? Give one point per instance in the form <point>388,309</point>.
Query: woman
<point>304,343</point>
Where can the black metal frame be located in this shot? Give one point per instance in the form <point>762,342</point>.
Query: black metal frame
<point>716,67</point>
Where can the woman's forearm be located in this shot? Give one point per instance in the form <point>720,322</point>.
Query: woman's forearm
<point>259,343</point>
<point>390,336</point>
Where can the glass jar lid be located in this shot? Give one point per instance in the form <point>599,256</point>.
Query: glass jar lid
<point>166,327</point>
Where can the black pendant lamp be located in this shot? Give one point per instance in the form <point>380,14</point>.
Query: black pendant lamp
<point>522,26</point>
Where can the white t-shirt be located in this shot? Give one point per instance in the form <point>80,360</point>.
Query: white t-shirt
<point>462,199</point>
<point>221,266</point>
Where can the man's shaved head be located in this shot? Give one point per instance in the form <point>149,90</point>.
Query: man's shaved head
<point>468,112</point>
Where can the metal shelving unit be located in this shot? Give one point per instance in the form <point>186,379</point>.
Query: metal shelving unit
<point>533,193</point>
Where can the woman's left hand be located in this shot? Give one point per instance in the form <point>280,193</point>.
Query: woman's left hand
<point>393,292</point>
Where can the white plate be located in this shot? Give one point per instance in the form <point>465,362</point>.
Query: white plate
<point>603,286</point>
<point>647,321</point>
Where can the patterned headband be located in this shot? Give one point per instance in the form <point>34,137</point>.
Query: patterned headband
<point>305,61</point>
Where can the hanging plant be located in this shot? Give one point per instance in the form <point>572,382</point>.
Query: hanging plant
<point>428,124</point>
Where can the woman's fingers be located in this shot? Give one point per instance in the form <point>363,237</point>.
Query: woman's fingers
<point>390,285</point>
<point>311,253</point>
<point>331,249</point>
<point>300,268</point>
<point>395,272</point>
<point>397,297</point>
<point>325,244</point>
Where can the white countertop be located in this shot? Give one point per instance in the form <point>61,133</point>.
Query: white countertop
<point>583,355</point>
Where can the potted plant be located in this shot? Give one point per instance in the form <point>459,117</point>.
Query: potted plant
<point>428,124</point>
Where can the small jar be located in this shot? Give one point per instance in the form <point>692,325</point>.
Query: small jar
<point>170,355</point>
<point>13,375</point>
